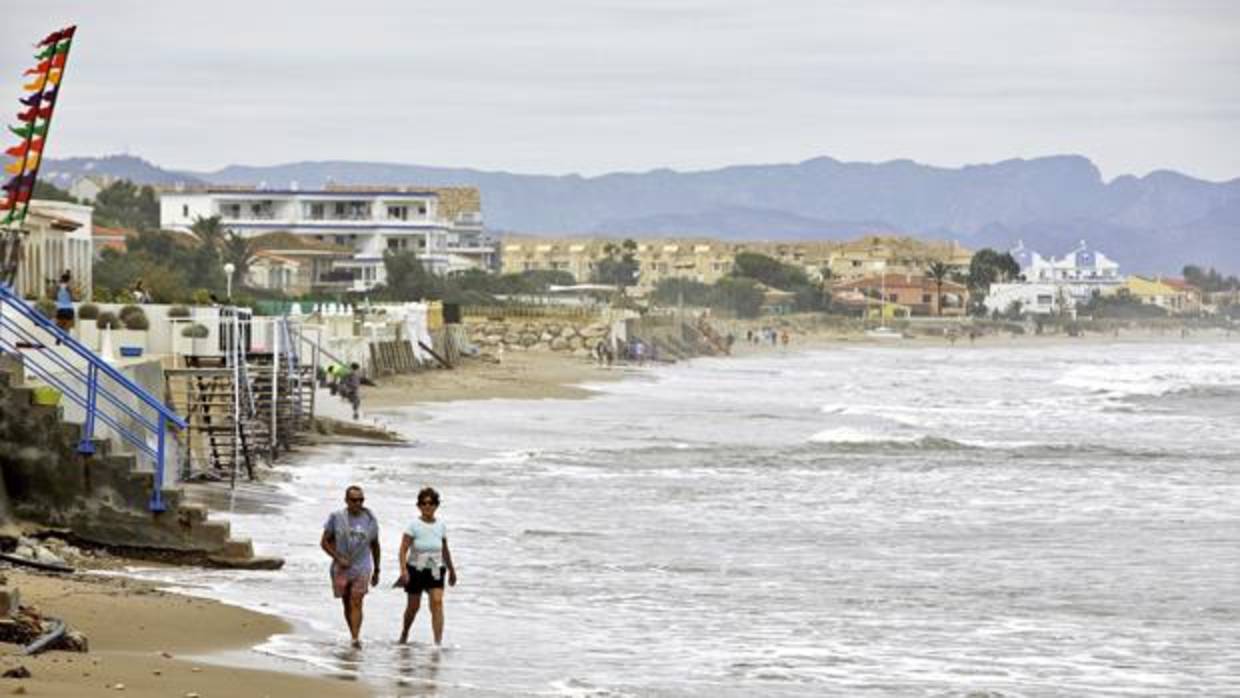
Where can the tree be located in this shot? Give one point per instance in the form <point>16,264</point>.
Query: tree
<point>408,279</point>
<point>51,192</point>
<point>240,252</point>
<point>939,272</point>
<point>122,204</point>
<point>620,267</point>
<point>769,271</point>
<point>669,292</point>
<point>988,267</point>
<point>741,296</point>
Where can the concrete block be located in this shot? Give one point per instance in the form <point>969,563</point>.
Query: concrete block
<point>10,601</point>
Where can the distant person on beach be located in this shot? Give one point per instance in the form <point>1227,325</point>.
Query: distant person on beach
<point>140,295</point>
<point>784,338</point>
<point>427,539</point>
<point>351,539</point>
<point>351,387</point>
<point>64,303</point>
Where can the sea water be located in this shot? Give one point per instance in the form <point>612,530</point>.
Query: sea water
<point>997,520</point>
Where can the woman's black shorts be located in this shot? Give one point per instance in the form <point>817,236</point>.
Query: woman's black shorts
<point>423,580</point>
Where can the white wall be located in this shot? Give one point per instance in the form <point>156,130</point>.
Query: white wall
<point>173,207</point>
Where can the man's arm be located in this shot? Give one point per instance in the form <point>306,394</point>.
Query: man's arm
<point>447,560</point>
<point>374,552</point>
<point>328,544</point>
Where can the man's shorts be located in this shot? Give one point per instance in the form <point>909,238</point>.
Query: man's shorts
<point>423,580</point>
<point>355,587</point>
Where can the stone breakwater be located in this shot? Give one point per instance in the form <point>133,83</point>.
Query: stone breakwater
<point>578,339</point>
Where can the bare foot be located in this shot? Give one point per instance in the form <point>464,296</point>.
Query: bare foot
<point>357,644</point>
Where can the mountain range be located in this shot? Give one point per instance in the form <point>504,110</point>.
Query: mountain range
<point>1153,224</point>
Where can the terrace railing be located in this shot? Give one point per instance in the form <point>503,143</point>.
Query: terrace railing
<point>106,395</point>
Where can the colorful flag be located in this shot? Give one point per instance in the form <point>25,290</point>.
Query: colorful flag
<point>38,69</point>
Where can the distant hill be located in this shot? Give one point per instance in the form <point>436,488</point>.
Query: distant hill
<point>63,173</point>
<point>1155,223</point>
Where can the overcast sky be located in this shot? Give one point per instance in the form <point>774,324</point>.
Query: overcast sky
<point>559,86</point>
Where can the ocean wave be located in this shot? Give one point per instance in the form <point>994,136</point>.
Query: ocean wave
<point>849,437</point>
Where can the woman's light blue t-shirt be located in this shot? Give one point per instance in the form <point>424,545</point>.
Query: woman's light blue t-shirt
<point>427,537</point>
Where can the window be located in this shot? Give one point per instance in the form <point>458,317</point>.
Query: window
<point>393,244</point>
<point>340,209</point>
<point>342,240</point>
<point>398,213</point>
<point>316,212</point>
<point>926,298</point>
<point>185,210</point>
<point>1044,299</point>
<point>421,209</point>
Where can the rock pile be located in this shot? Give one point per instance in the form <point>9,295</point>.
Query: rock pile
<point>549,335</point>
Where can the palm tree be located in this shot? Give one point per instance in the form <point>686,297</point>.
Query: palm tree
<point>240,252</point>
<point>208,231</point>
<point>938,271</point>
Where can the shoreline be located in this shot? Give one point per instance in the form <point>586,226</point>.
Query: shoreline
<point>153,642</point>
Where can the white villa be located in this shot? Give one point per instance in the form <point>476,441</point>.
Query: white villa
<point>1081,265</point>
<point>59,240</point>
<point>442,225</point>
<point>1055,285</point>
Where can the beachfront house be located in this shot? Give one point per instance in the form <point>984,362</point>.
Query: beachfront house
<point>1030,299</point>
<point>58,240</point>
<point>917,292</point>
<point>442,225</point>
<point>1169,296</point>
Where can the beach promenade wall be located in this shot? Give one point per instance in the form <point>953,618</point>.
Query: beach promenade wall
<point>101,498</point>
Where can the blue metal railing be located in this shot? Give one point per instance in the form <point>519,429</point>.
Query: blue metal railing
<point>27,333</point>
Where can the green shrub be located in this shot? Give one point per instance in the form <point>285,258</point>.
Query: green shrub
<point>46,308</point>
<point>88,311</point>
<point>107,320</point>
<point>178,311</point>
<point>129,311</point>
<point>136,321</point>
<point>196,331</point>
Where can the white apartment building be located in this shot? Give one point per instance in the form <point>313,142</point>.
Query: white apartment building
<point>442,225</point>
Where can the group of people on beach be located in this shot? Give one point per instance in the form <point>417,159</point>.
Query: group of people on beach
<point>351,538</point>
<point>767,335</point>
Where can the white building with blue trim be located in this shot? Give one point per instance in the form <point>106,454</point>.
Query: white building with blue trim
<point>442,225</point>
<point>1055,285</point>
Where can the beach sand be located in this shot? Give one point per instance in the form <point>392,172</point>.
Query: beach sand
<point>153,643</point>
<point>521,375</point>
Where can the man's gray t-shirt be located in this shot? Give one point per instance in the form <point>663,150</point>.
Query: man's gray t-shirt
<point>352,537</point>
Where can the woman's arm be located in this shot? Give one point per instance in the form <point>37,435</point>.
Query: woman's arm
<point>405,540</point>
<point>447,560</point>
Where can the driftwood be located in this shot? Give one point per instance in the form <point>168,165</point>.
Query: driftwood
<point>27,562</point>
<point>438,358</point>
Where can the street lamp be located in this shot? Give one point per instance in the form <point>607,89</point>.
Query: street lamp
<point>229,268</point>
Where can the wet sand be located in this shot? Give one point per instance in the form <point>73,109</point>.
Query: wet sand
<point>153,643</point>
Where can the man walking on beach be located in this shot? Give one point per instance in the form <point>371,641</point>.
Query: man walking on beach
<point>351,539</point>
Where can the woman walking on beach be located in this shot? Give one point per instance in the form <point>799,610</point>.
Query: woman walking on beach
<point>351,538</point>
<point>428,538</point>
